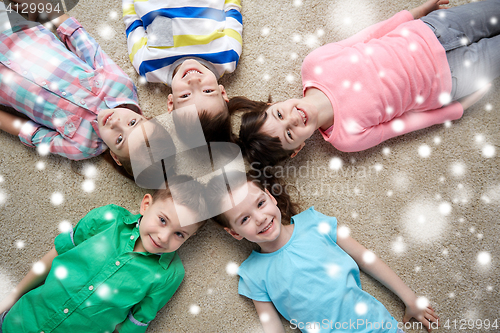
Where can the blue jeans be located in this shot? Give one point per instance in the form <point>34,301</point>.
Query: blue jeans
<point>470,36</point>
<point>2,316</point>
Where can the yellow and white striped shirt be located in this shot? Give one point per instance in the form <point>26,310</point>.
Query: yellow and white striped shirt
<point>163,33</point>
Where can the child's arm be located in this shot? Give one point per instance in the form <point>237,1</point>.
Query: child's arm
<point>385,275</point>
<point>269,317</point>
<point>10,123</point>
<point>34,135</point>
<point>135,32</point>
<point>382,28</point>
<point>30,281</point>
<point>428,7</point>
<point>141,314</point>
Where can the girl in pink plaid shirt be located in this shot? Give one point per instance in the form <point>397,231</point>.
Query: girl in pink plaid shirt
<point>78,100</point>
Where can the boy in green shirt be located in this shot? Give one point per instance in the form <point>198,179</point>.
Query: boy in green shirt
<point>113,272</point>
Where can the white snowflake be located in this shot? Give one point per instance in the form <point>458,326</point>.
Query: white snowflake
<point>399,246</point>
<point>424,151</point>
<point>336,163</point>
<point>444,98</point>
<point>361,308</point>
<point>484,258</point>
<point>57,198</point>
<point>232,268</point>
<point>61,272</point>
<point>489,151</point>
<point>65,226</point>
<point>88,185</point>
<point>194,309</point>
<point>106,31</point>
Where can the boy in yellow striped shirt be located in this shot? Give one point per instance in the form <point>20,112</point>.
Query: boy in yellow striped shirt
<point>187,45</point>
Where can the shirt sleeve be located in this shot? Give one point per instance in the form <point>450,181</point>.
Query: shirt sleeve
<point>378,30</point>
<point>408,122</point>
<point>36,136</point>
<point>91,224</point>
<point>136,34</point>
<point>234,22</point>
<point>248,285</point>
<point>142,313</point>
<point>78,41</point>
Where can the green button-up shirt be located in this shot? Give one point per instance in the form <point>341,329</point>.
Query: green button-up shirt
<point>97,282</point>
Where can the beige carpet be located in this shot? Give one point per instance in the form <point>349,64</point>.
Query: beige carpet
<point>433,219</point>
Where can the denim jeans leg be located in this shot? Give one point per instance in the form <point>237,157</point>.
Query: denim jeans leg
<point>467,33</point>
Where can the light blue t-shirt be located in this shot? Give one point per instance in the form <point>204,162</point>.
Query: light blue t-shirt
<point>313,283</point>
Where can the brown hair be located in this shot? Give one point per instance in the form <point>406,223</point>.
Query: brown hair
<point>161,148</point>
<point>187,192</point>
<point>256,146</point>
<point>217,189</point>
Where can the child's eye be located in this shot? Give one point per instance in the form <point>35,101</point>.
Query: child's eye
<point>279,115</point>
<point>163,221</point>
<point>132,122</point>
<point>119,139</point>
<point>179,234</point>
<point>243,220</point>
<point>185,96</point>
<point>289,134</point>
<point>261,203</point>
<point>208,91</point>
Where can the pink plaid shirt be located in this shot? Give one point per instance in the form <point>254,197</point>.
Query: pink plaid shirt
<point>61,91</point>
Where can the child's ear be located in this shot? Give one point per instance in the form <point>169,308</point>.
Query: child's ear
<point>113,155</point>
<point>170,103</point>
<point>223,93</point>
<point>296,151</point>
<point>146,202</point>
<point>233,233</point>
<point>273,199</point>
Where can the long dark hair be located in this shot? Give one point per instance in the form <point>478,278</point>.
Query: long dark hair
<point>217,190</point>
<point>255,145</point>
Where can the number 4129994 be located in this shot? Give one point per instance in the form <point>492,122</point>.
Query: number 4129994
<point>30,8</point>
<point>471,324</point>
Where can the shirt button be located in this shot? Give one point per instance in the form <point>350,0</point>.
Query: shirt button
<point>117,263</point>
<point>132,237</point>
<point>25,72</point>
<point>8,62</point>
<point>44,83</point>
<point>82,102</point>
<point>64,93</point>
<point>91,288</point>
<point>66,310</point>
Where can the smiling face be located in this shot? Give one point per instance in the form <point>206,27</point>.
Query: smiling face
<point>292,121</point>
<point>257,218</point>
<point>115,126</point>
<point>160,228</point>
<point>193,83</point>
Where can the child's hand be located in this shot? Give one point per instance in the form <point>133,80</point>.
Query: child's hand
<point>471,99</point>
<point>8,302</point>
<point>425,316</point>
<point>428,7</point>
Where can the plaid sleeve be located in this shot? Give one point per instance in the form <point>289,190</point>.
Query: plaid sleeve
<point>50,141</point>
<point>78,41</point>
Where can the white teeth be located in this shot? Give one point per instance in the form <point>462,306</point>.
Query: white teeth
<point>192,71</point>
<point>303,115</point>
<point>266,228</point>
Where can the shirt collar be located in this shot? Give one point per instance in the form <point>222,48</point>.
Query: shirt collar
<point>164,259</point>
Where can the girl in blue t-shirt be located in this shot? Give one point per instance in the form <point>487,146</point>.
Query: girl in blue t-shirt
<point>307,270</point>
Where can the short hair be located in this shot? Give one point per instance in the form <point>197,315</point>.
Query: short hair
<point>255,145</point>
<point>187,191</point>
<point>215,128</point>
